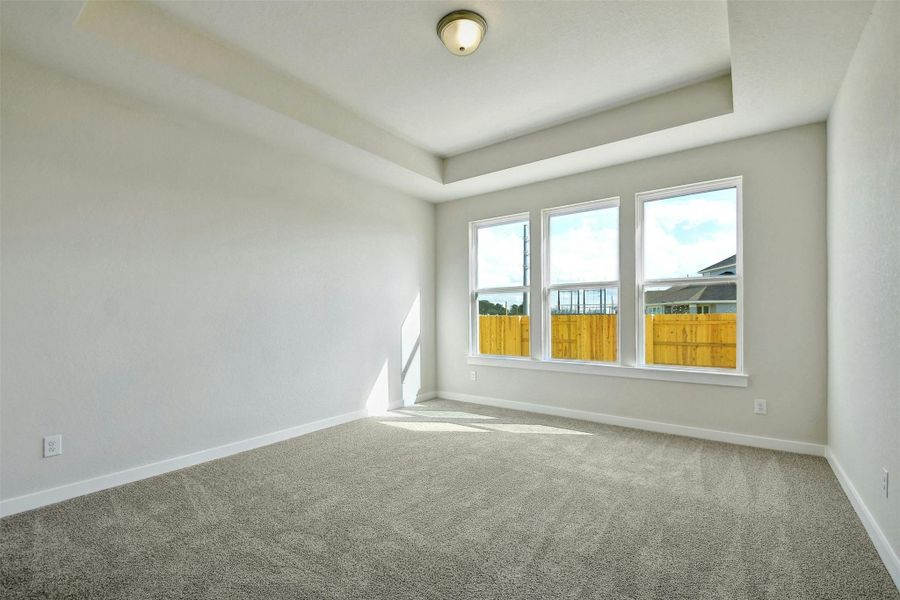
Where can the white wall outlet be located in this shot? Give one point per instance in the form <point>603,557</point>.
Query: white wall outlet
<point>884,481</point>
<point>759,407</point>
<point>52,445</point>
<point>473,375</point>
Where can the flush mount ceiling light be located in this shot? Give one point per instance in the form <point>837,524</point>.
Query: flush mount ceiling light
<point>462,31</point>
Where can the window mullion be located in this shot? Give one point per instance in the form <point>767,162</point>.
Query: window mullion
<point>691,280</point>
<point>588,285</point>
<point>502,290</point>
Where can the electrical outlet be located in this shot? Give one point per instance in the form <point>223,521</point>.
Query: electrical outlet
<point>52,445</point>
<point>884,481</point>
<point>759,407</point>
<point>473,375</point>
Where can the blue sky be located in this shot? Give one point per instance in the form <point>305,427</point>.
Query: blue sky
<point>685,234</point>
<point>500,255</point>
<point>585,246</point>
<point>681,236</point>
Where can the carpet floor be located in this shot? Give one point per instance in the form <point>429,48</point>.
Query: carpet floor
<point>451,500</point>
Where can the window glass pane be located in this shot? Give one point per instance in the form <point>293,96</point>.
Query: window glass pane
<point>691,325</point>
<point>503,324</point>
<point>583,324</point>
<point>584,246</point>
<point>503,255</point>
<point>691,236</point>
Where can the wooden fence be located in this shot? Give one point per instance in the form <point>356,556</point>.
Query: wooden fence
<point>691,340</point>
<point>575,337</point>
<point>584,337</point>
<point>505,335</point>
<point>684,340</point>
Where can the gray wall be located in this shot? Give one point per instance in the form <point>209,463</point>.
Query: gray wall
<point>784,273</point>
<point>169,287</point>
<point>864,269</point>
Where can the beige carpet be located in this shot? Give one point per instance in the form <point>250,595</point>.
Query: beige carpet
<point>452,500</point>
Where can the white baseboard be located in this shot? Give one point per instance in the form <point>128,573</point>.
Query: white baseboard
<point>656,426</point>
<point>11,506</point>
<point>879,539</point>
<point>426,396</point>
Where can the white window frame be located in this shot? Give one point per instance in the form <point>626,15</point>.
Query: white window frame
<point>641,284</point>
<point>474,290</point>
<point>547,287</point>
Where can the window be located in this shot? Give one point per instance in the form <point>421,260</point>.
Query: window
<point>687,321</point>
<point>581,281</point>
<point>499,292</point>
<point>689,276</point>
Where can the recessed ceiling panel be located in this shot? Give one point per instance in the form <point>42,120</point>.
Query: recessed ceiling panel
<point>787,60</point>
<point>542,63</point>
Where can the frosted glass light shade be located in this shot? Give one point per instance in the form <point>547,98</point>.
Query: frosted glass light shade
<point>462,32</point>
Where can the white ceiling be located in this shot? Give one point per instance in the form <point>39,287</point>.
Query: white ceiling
<point>348,60</point>
<point>542,63</point>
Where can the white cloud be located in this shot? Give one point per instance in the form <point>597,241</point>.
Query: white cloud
<point>584,253</point>
<point>681,236</point>
<point>500,256</point>
<point>684,235</point>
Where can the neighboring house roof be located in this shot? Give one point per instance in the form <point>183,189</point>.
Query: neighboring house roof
<point>688,294</point>
<point>728,262</point>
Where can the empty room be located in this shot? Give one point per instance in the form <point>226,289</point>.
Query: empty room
<point>438,300</point>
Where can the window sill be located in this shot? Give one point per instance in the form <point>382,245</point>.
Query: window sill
<point>610,370</point>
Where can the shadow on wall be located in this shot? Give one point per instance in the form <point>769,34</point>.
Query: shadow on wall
<point>410,355</point>
<point>378,401</point>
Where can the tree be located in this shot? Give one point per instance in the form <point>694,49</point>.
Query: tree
<point>486,307</point>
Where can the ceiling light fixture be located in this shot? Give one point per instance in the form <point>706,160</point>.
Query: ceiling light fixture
<point>462,31</point>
